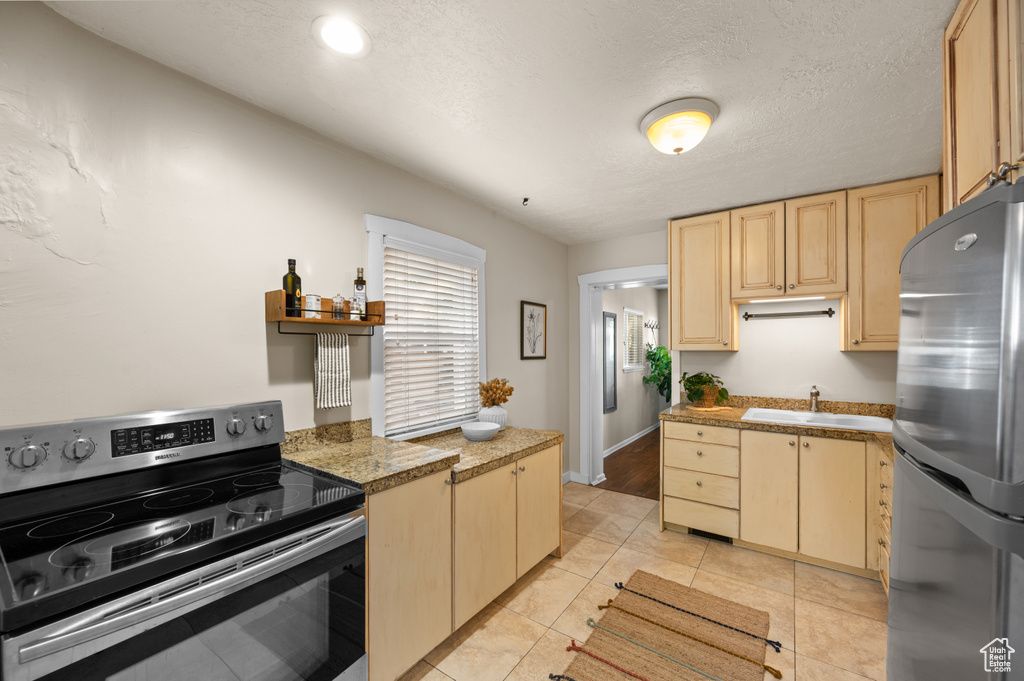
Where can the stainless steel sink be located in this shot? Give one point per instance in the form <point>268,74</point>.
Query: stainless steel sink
<point>819,419</point>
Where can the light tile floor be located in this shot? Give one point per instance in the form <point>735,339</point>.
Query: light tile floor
<point>831,625</point>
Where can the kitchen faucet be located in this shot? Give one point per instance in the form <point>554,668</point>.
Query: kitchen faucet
<point>814,398</point>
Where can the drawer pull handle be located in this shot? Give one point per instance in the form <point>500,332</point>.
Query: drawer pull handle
<point>522,469</point>
<point>700,432</point>
<point>700,453</point>
<point>882,485</point>
<point>881,542</point>
<point>792,443</point>
<point>883,464</point>
<point>514,471</point>
<point>448,481</point>
<point>807,444</point>
<point>881,502</point>
<point>699,483</point>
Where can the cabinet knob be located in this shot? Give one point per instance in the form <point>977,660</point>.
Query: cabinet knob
<point>883,464</point>
<point>807,444</point>
<point>779,287</point>
<point>791,287</point>
<point>881,502</point>
<point>792,443</point>
<point>447,481</point>
<point>700,432</point>
<point>700,453</point>
<point>881,542</point>
<point>699,484</point>
<point>725,342</point>
<point>882,485</point>
<point>856,342</point>
<point>514,471</point>
<point>522,468</point>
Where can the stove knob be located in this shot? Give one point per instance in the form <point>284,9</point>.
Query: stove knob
<point>27,457</point>
<point>235,522</point>
<point>78,450</point>
<point>264,422</point>
<point>236,427</point>
<point>29,586</point>
<point>261,514</point>
<point>79,570</point>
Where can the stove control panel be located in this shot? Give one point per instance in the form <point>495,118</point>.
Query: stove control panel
<point>56,453</point>
<point>127,441</point>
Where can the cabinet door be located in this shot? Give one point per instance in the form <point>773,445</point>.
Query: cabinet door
<point>832,500</point>
<point>769,489</point>
<point>539,507</point>
<point>816,245</point>
<point>700,305</point>
<point>971,101</point>
<point>409,573</point>
<point>883,219</point>
<point>485,540</point>
<point>759,251</point>
<point>1015,85</point>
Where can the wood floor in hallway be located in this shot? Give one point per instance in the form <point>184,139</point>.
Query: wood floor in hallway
<point>634,468</point>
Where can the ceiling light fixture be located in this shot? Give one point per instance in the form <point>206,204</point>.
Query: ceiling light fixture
<point>679,125</point>
<point>342,35</point>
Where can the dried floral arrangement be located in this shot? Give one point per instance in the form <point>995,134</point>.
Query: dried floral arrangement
<point>495,392</point>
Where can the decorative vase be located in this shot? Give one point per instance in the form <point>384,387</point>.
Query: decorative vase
<point>493,415</point>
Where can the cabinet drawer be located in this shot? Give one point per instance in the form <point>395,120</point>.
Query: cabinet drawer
<point>698,456</point>
<point>704,487</point>
<point>699,516</point>
<point>883,568</point>
<point>698,433</point>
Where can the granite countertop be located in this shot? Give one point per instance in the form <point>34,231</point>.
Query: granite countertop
<point>508,445</point>
<point>377,464</point>
<point>730,417</point>
<point>374,463</point>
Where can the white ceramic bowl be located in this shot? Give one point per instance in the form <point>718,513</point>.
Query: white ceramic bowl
<point>479,431</point>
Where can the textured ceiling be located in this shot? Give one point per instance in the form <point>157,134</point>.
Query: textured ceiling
<point>532,98</point>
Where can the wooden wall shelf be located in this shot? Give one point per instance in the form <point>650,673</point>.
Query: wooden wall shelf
<point>276,312</point>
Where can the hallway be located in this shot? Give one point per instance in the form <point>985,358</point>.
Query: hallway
<point>634,468</point>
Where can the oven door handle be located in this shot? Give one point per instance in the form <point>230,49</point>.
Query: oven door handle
<point>166,597</point>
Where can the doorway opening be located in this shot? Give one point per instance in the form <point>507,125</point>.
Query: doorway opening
<point>618,412</point>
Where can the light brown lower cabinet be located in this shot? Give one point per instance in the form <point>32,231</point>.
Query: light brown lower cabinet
<point>485,540</point>
<point>832,500</point>
<point>538,507</point>
<point>409,573</point>
<point>769,477</point>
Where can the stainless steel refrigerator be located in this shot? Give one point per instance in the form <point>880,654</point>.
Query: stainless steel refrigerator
<point>956,599</point>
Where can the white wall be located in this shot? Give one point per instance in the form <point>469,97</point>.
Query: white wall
<point>143,215</point>
<point>637,404</point>
<point>784,357</point>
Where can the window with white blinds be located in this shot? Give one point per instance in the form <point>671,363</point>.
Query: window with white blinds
<point>632,340</point>
<point>431,342</point>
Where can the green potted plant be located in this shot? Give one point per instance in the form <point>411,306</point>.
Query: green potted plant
<point>704,389</point>
<point>660,362</point>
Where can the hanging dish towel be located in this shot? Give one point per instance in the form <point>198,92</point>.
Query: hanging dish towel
<point>332,383</point>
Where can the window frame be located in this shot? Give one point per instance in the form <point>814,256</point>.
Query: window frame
<point>628,368</point>
<point>425,242</point>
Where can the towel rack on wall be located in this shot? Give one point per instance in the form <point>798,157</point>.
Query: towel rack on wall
<point>774,315</point>
<point>313,333</point>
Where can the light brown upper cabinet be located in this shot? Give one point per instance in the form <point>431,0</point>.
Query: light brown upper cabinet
<point>700,312</point>
<point>882,220</point>
<point>976,97</point>
<point>790,248</point>
<point>816,245</point>
<point>759,251</point>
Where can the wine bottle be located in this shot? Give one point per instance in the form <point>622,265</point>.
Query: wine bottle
<point>359,302</point>
<point>292,285</point>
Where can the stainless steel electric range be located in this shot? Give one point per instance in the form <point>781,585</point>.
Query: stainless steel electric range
<point>176,545</point>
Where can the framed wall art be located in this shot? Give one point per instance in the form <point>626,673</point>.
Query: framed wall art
<point>533,330</point>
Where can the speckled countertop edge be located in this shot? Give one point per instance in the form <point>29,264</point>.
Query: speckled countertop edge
<point>510,444</point>
<point>730,417</point>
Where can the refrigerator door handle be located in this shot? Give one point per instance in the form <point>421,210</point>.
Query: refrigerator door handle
<point>996,529</point>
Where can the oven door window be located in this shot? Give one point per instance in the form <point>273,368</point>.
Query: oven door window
<point>306,623</point>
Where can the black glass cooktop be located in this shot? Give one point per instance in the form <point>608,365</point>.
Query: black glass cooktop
<point>56,562</point>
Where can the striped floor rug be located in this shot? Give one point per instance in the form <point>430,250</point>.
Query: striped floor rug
<point>658,630</point>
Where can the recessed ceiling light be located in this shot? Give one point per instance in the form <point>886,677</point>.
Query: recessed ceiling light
<point>679,125</point>
<point>342,35</point>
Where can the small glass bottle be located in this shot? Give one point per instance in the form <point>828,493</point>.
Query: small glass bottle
<point>338,308</point>
<point>292,285</point>
<point>359,298</point>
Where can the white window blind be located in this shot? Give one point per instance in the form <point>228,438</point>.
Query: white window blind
<point>633,340</point>
<point>431,342</point>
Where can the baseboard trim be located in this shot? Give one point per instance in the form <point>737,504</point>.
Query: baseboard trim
<point>601,478</point>
<point>566,477</point>
<point>631,440</point>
